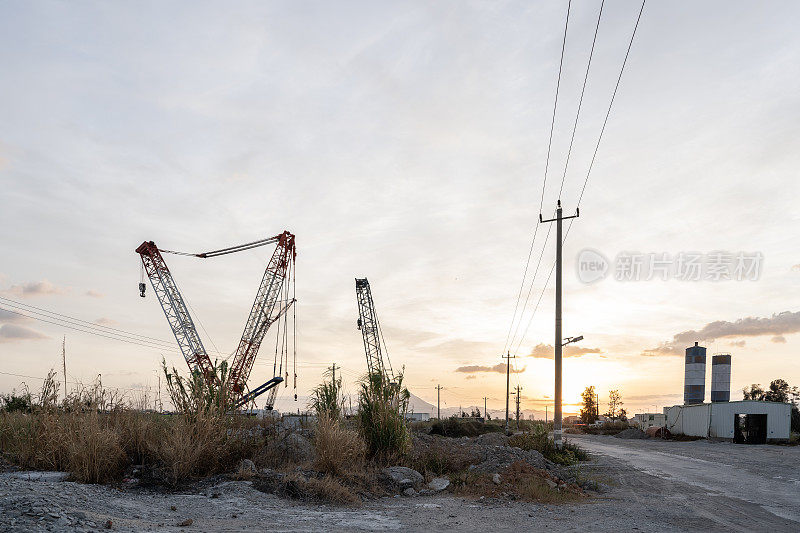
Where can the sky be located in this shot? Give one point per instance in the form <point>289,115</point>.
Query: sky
<point>404,142</point>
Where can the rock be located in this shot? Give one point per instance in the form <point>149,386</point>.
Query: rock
<point>246,466</point>
<point>294,447</point>
<point>404,476</point>
<point>438,484</point>
<point>173,508</point>
<point>186,523</point>
<point>109,524</point>
<point>492,439</point>
<point>632,433</point>
<point>410,492</point>
<point>552,484</point>
<point>496,479</point>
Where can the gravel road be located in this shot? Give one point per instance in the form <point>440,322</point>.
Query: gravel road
<point>653,486</point>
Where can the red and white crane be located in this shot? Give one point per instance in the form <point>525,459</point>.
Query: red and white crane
<point>273,300</point>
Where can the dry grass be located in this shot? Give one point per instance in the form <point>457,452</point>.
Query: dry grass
<point>433,456</point>
<point>97,447</point>
<point>340,451</point>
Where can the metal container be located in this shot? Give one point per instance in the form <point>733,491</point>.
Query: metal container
<point>721,377</point>
<point>694,385</point>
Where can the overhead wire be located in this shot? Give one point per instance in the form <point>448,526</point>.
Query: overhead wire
<point>596,149</point>
<point>544,182</point>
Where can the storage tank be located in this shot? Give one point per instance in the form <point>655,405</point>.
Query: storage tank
<point>721,377</point>
<point>694,384</point>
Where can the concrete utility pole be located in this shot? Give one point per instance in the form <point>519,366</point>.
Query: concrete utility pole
<point>508,357</point>
<point>558,339</point>
<point>332,368</point>
<point>484,408</point>
<point>64,362</point>
<point>518,388</point>
<point>438,409</point>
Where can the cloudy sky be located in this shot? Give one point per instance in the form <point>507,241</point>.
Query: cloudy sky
<point>404,142</point>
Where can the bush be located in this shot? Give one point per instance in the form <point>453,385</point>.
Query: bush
<point>456,427</point>
<point>538,439</point>
<point>381,414</point>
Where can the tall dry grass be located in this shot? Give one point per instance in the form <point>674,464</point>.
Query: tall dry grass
<point>340,451</point>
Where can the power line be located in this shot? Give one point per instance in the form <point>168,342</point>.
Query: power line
<point>596,149</point>
<point>91,332</point>
<point>580,101</point>
<point>29,308</point>
<point>544,182</point>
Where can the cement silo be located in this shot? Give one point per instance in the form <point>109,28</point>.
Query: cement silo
<point>694,384</point>
<point>721,377</point>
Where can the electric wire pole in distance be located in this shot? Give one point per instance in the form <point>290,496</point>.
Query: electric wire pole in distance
<point>438,408</point>
<point>508,357</point>
<point>557,431</point>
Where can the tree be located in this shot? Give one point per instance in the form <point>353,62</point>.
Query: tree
<point>614,404</point>
<point>589,410</point>
<point>778,391</point>
<point>623,414</point>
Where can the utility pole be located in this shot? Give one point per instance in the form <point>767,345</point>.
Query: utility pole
<point>518,388</point>
<point>484,408</point>
<point>438,409</point>
<point>332,368</point>
<point>508,357</point>
<point>64,362</point>
<point>545,414</point>
<point>558,339</point>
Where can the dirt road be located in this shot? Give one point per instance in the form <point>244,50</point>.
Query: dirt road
<point>653,486</point>
<point>735,486</point>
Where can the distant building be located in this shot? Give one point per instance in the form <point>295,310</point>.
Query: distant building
<point>646,420</point>
<point>418,417</point>
<point>747,421</point>
<point>572,419</point>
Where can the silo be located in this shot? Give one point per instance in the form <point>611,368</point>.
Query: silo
<point>694,385</point>
<point>721,377</point>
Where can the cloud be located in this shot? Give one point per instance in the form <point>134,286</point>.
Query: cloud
<point>779,339</point>
<point>103,321</point>
<point>8,317</point>
<point>546,351</point>
<point>500,368</point>
<point>739,343</point>
<point>11,333</point>
<point>94,294</point>
<point>777,325</point>
<point>471,376</point>
<point>34,288</point>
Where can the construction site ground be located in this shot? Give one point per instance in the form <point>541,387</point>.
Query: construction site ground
<point>653,485</point>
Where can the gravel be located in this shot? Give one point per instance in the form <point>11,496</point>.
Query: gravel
<point>632,433</point>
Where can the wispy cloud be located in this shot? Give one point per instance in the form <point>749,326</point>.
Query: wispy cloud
<point>12,333</point>
<point>778,339</point>
<point>546,351</point>
<point>34,288</point>
<point>94,294</point>
<point>499,368</point>
<point>103,321</point>
<point>777,325</point>
<point>739,343</point>
<point>8,317</point>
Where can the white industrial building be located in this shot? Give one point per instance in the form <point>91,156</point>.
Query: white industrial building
<point>746,421</point>
<point>646,420</point>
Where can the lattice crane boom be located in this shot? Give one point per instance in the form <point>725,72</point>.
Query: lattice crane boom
<point>371,332</point>
<point>274,285</point>
<point>175,310</point>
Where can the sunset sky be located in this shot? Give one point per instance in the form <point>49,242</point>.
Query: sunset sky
<point>404,142</point>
